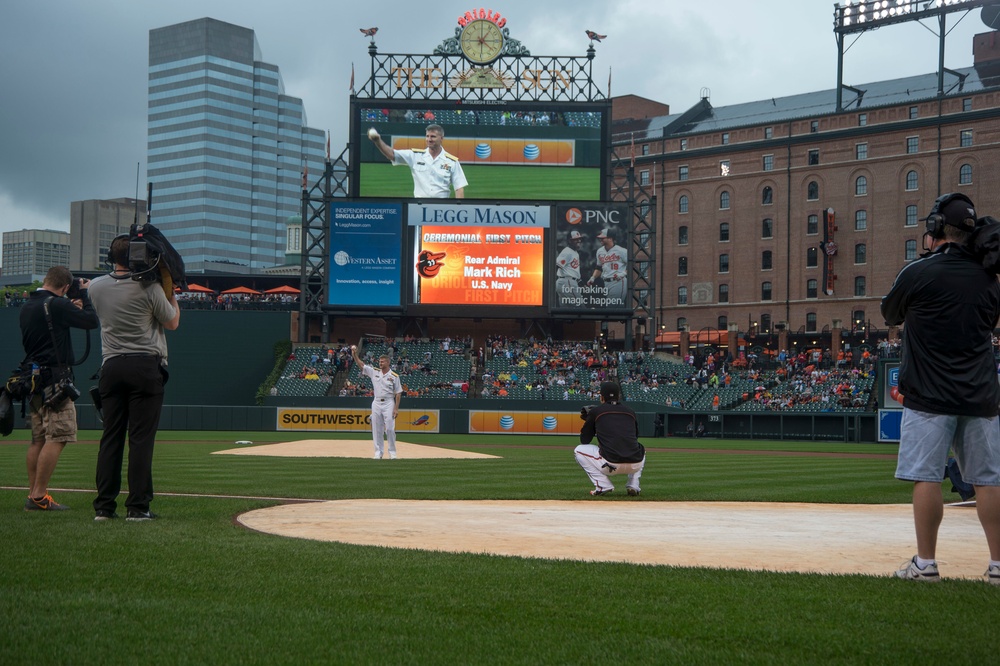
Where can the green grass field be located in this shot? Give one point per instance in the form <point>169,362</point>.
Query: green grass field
<point>194,587</point>
<point>492,182</point>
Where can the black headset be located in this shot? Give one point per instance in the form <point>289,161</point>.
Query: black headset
<point>936,221</point>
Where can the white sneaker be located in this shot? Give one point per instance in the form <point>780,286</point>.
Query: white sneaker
<point>392,456</point>
<point>993,574</point>
<point>910,571</point>
<point>377,456</point>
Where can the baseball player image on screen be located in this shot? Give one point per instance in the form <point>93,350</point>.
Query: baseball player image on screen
<point>568,271</point>
<point>385,403</point>
<point>612,260</point>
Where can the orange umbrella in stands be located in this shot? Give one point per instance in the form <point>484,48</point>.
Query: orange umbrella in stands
<point>283,289</point>
<point>199,289</point>
<point>241,290</point>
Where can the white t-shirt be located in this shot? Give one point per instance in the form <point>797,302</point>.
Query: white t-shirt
<point>432,177</point>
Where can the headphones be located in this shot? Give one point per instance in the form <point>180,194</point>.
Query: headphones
<point>936,221</point>
<point>109,260</point>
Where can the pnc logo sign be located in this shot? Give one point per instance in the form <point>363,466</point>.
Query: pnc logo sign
<point>574,216</point>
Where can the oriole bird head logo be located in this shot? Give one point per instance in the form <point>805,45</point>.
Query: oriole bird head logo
<point>429,263</point>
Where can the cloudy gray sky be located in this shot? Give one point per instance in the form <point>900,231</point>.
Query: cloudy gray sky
<point>73,73</point>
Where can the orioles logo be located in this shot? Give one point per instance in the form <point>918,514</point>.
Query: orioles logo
<point>429,263</point>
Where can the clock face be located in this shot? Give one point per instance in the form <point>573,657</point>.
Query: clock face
<point>481,41</point>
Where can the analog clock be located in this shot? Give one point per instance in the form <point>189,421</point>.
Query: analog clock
<point>481,41</point>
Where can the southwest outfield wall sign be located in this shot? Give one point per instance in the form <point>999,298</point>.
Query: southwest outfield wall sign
<point>354,420</point>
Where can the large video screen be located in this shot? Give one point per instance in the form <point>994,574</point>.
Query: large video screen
<point>478,255</point>
<point>512,151</point>
<point>591,268</point>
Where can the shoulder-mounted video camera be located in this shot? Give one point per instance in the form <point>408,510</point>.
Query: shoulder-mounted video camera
<point>151,257</point>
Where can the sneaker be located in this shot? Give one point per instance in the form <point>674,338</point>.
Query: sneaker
<point>377,456</point>
<point>633,492</point>
<point>599,491</point>
<point>910,571</point>
<point>44,504</point>
<point>101,516</point>
<point>138,516</point>
<point>993,574</point>
<point>392,456</point>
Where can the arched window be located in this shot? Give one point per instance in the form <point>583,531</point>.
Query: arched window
<point>723,322</point>
<point>682,323</point>
<point>767,196</point>
<point>812,258</point>
<point>682,235</point>
<point>812,191</point>
<point>682,204</point>
<point>861,186</point>
<point>767,228</point>
<point>912,182</point>
<point>965,174</point>
<point>682,295</point>
<point>812,224</point>
<point>724,201</point>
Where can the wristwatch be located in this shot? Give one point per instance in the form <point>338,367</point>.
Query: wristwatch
<point>481,41</point>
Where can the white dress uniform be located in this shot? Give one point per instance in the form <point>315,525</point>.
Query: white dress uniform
<point>433,177</point>
<point>386,386</point>
<point>613,264</point>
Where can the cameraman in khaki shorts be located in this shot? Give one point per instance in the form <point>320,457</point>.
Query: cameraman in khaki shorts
<point>52,425</point>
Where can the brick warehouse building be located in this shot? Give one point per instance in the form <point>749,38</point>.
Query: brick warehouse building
<point>743,192</point>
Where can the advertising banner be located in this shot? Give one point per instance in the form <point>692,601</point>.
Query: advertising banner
<point>478,254</point>
<point>353,420</point>
<point>365,245</point>
<point>524,423</point>
<point>591,265</point>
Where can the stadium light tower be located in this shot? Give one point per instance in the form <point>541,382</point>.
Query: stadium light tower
<point>863,15</point>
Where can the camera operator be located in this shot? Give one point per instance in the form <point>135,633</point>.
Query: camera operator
<point>618,450</point>
<point>53,422</point>
<point>133,317</point>
<point>949,304</point>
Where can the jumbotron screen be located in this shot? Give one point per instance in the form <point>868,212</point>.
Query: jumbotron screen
<point>478,255</point>
<point>511,151</point>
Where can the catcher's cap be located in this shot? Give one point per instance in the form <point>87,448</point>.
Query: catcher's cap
<point>605,233</point>
<point>575,235</point>
<point>611,391</point>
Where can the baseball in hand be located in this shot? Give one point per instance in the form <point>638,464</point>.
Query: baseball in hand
<point>373,134</point>
<point>354,348</point>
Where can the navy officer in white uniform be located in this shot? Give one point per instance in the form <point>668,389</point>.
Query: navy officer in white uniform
<point>435,172</point>
<point>385,405</point>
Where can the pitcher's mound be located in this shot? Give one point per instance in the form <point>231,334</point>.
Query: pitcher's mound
<point>820,538</point>
<point>347,448</point>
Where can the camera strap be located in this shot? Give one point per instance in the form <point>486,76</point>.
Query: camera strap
<point>55,344</point>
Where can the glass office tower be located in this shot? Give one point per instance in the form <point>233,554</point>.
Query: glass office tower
<point>226,147</point>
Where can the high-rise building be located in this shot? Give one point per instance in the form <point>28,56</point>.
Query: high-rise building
<point>226,147</point>
<point>29,254</point>
<point>93,224</point>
